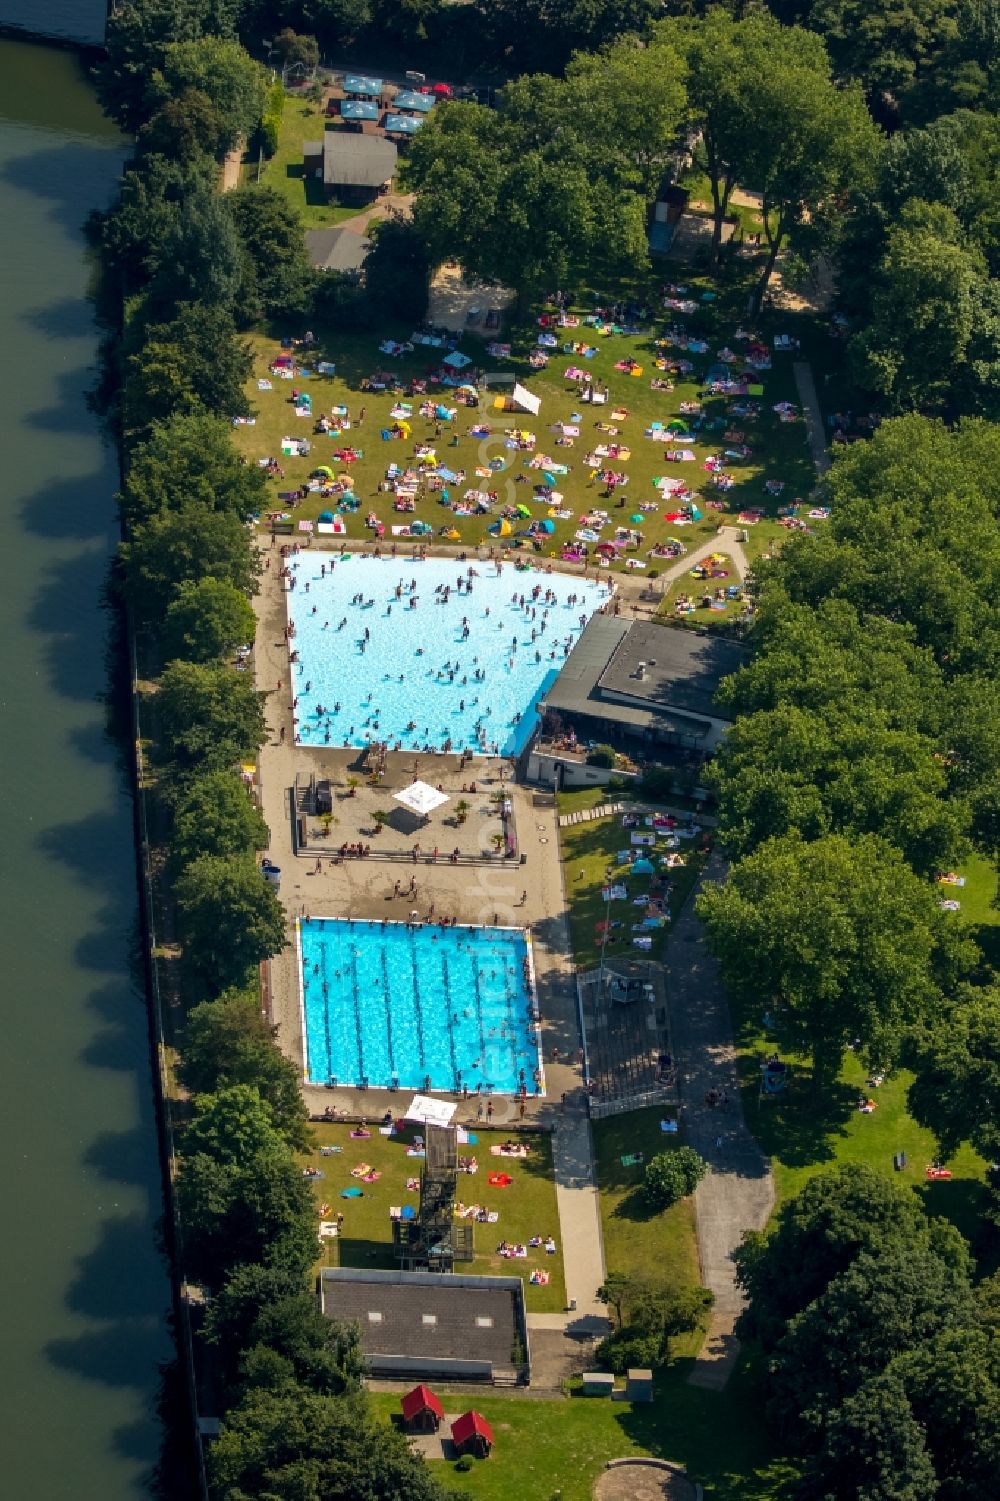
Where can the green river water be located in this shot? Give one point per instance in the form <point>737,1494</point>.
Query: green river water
<point>84,1296</point>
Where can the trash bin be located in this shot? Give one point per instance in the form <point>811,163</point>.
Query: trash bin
<point>572,1305</point>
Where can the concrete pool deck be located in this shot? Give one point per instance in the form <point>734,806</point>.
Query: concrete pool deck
<point>472,893</point>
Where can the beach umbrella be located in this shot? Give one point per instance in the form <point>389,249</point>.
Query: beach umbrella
<point>523,511</point>
<point>642,867</point>
<point>323,472</point>
<point>404,428</point>
<point>452,535</point>
<point>549,479</point>
<point>326,516</point>
<point>547,526</point>
<point>505,529</point>
<point>637,519</point>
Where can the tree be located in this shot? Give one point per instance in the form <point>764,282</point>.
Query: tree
<point>903,508</point>
<point>397,271</point>
<point>726,59</point>
<point>231,1126</point>
<point>292,47</point>
<point>213,814</point>
<point>186,461</point>
<point>873,1450</point>
<point>210,717</point>
<point>276,273</point>
<point>222,72</point>
<point>956,1093</point>
<point>539,35</point>
<point>952,1384</point>
<point>884,1303</point>
<point>520,196</point>
<point>336,22</point>
<point>150,202</point>
<point>263,1308</point>
<point>261,1210</point>
<point>201,263</point>
<point>670,1176</point>
<point>885,46</point>
<point>791,770</point>
<point>807,141</point>
<point>192,364</point>
<point>819,1234</point>
<point>138,34</point>
<point>230,918</point>
<point>922,311</point>
<point>186,127</point>
<point>177,547</point>
<point>228,1041</point>
<point>206,619</point>
<point>296,1443</point>
<point>633,100</point>
<point>840,937</point>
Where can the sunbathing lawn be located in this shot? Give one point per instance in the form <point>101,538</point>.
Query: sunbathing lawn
<point>546,1449</point>
<point>301,121</point>
<point>659,1245</point>
<point>588,852</point>
<point>779,450</point>
<point>526,1208</point>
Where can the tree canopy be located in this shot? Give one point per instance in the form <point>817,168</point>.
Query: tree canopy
<point>206,619</point>
<point>190,460</point>
<point>230,918</point>
<point>838,939</point>
<point>176,547</point>
<point>210,717</point>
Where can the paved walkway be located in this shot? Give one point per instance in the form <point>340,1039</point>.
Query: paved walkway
<point>809,401</point>
<point>726,540</point>
<point>231,168</point>
<point>738,1193</point>
<point>579,1221</point>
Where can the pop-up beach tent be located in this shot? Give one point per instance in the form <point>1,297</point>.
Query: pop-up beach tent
<point>525,400</point>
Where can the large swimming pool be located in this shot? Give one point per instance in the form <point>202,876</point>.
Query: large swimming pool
<point>418,1007</point>
<point>434,655</point>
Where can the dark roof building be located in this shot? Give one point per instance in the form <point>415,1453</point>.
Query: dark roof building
<point>351,165</point>
<point>432,1324</point>
<point>646,683</point>
<point>336,249</point>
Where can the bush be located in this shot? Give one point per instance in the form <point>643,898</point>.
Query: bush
<point>657,783</point>
<point>270,125</point>
<point>601,755</point>
<point>464,1464</point>
<point>671,1176</point>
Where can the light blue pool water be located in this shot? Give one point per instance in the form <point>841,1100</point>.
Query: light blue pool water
<point>437,669</point>
<point>395,1005</point>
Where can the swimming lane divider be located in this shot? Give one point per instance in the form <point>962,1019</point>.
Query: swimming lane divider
<point>388,1014</point>
<point>326,1012</point>
<point>451,1023</point>
<point>357,1015</point>
<point>417,1004</point>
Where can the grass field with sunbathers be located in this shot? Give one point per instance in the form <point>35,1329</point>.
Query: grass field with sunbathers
<point>590,855</point>
<point>525,1209</point>
<point>754,451</point>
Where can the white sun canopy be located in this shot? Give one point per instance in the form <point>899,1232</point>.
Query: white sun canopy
<point>430,1112</point>
<point>526,400</point>
<point>421,798</point>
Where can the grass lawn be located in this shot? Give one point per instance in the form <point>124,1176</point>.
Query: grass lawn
<point>558,1448</point>
<point>301,121</point>
<point>526,1208</point>
<point>778,450</point>
<point>659,1245</point>
<point>588,852</point>
<point>803,1133</point>
<point>979,904</point>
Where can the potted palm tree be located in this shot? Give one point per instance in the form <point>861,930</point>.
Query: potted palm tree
<point>462,810</point>
<point>352,786</point>
<point>381,818</point>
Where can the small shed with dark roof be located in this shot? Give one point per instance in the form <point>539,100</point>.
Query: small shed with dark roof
<point>471,1434</point>
<point>422,1410</point>
<point>336,249</point>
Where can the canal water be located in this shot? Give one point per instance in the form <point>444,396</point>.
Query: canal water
<point>69,20</point>
<point>84,1295</point>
